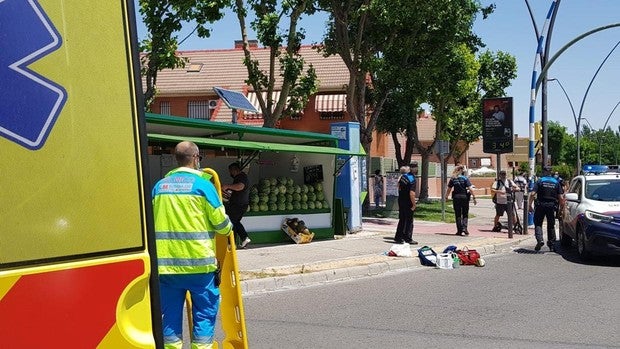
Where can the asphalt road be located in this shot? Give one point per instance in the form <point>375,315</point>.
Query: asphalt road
<point>520,299</point>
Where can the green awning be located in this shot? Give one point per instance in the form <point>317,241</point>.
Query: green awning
<point>182,126</point>
<point>260,146</point>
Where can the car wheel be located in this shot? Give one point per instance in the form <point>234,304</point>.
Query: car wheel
<point>581,244</point>
<point>565,239</point>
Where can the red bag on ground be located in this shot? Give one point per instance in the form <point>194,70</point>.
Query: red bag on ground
<point>467,256</point>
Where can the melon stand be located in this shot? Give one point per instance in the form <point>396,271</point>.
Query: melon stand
<point>292,174</point>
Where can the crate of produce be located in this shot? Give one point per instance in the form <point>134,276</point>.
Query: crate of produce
<point>296,229</point>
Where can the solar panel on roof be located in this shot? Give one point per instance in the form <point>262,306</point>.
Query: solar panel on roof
<point>235,100</point>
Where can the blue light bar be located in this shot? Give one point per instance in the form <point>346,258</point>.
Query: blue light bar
<point>596,169</point>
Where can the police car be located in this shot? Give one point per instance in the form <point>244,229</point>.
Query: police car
<point>591,215</point>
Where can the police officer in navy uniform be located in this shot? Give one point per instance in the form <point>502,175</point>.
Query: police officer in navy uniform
<point>460,198</point>
<point>549,194</point>
<point>406,206</point>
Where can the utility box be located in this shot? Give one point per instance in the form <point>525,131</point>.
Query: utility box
<point>350,173</point>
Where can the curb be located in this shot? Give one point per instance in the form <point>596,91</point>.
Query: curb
<point>358,268</point>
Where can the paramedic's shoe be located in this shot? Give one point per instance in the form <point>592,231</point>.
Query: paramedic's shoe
<point>539,244</point>
<point>245,242</point>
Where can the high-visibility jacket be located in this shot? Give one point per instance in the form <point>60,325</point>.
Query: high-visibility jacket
<point>188,213</point>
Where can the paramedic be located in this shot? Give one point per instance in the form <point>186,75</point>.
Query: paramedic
<point>188,214</point>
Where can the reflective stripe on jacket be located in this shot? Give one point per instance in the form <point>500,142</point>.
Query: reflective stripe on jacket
<point>188,213</point>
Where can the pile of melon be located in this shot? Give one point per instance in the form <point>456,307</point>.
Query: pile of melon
<point>282,194</point>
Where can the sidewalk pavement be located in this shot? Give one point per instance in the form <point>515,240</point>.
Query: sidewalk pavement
<point>264,268</point>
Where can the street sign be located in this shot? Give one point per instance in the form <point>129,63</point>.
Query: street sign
<point>442,147</point>
<point>497,130</point>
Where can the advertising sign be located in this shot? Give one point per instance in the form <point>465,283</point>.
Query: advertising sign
<point>497,130</point>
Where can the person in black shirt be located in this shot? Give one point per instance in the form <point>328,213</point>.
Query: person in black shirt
<point>549,194</point>
<point>460,198</point>
<point>406,206</point>
<point>238,202</point>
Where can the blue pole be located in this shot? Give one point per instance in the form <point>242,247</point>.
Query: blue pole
<point>537,62</point>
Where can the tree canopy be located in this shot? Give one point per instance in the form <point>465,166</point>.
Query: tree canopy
<point>163,20</point>
<point>285,65</point>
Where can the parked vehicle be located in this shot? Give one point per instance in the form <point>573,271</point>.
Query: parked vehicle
<point>591,215</point>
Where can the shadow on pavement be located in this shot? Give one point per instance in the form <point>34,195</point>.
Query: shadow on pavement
<point>379,221</point>
<point>570,255</point>
<point>529,251</point>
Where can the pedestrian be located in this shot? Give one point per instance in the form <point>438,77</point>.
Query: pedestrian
<point>500,190</point>
<point>521,182</point>
<point>406,206</point>
<point>561,180</point>
<point>413,171</point>
<point>238,202</point>
<point>558,210</point>
<point>188,214</point>
<point>549,194</point>
<point>378,188</point>
<point>462,190</point>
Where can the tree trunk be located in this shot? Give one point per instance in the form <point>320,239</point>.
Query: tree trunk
<point>423,194</point>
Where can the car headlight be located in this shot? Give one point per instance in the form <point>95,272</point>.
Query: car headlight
<point>598,217</point>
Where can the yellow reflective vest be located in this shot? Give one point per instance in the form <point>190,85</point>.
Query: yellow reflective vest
<point>188,213</point>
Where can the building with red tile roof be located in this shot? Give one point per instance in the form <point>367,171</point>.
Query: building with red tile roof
<point>189,92</point>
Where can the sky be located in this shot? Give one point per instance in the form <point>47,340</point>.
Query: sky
<point>510,29</point>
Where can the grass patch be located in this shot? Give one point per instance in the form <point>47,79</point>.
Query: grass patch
<point>425,211</point>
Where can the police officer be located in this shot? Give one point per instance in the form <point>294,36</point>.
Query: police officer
<point>406,206</point>
<point>549,194</point>
<point>460,198</point>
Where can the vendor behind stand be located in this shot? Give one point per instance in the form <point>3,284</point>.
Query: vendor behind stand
<point>238,202</point>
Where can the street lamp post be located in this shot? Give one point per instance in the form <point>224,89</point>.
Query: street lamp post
<point>542,57</point>
<point>587,122</point>
<point>577,123</point>
<point>605,128</point>
<point>585,95</point>
<point>589,125</point>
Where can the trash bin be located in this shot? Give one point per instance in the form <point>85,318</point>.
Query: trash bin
<point>340,225</point>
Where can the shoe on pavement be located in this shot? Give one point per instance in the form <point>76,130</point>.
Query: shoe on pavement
<point>245,242</point>
<point>466,232</point>
<point>539,244</point>
<point>459,233</point>
<point>497,228</point>
<point>412,242</point>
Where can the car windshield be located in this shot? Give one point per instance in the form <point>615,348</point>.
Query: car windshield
<point>603,190</point>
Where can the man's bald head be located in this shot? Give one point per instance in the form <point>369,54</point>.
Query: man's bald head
<point>186,153</point>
